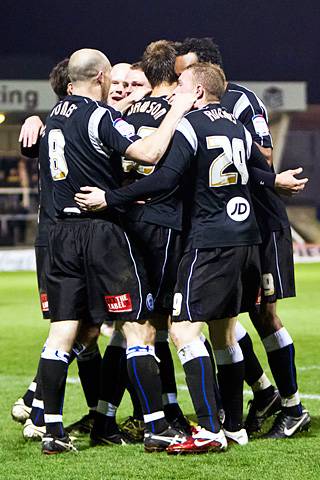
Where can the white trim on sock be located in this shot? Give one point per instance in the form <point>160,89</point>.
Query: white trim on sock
<point>261,384</point>
<point>277,340</point>
<point>37,403</point>
<point>151,417</point>
<point>141,351</point>
<point>292,401</point>
<point>230,355</point>
<point>32,387</point>
<point>202,337</point>
<point>54,354</point>
<point>51,418</point>
<point>194,349</point>
<point>240,331</point>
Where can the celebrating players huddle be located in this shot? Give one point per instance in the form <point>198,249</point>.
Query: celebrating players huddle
<point>160,212</point>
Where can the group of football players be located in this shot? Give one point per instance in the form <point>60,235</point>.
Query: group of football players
<point>160,212</point>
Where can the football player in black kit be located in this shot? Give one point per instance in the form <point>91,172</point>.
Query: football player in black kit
<point>165,179</point>
<point>155,228</point>
<point>94,270</point>
<point>276,263</point>
<point>89,359</point>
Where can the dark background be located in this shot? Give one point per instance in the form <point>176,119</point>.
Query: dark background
<point>259,40</point>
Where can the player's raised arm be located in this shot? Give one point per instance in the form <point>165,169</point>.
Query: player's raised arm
<point>30,131</point>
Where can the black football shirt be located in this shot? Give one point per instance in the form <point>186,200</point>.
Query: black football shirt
<point>87,150</point>
<point>165,210</point>
<point>246,106</point>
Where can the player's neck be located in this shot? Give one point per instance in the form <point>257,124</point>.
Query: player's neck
<point>83,90</point>
<point>163,89</point>
<point>203,101</point>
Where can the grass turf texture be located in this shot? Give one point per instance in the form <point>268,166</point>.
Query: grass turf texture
<point>22,333</point>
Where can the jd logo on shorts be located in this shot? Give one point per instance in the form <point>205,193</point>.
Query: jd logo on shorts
<point>238,209</point>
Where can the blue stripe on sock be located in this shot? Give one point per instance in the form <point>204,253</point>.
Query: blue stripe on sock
<point>293,380</point>
<point>141,389</point>
<point>205,395</point>
<point>39,411</point>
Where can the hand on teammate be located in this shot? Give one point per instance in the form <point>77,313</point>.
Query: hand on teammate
<point>182,102</point>
<point>30,131</point>
<point>91,199</point>
<point>287,184</point>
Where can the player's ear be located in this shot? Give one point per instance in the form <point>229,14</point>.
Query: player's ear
<point>69,88</point>
<point>100,77</point>
<point>199,91</point>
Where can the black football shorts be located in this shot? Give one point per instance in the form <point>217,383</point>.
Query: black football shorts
<point>161,250</point>
<point>95,273</point>
<point>42,270</point>
<point>277,267</point>
<point>216,283</point>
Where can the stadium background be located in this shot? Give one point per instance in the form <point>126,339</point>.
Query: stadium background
<point>260,42</point>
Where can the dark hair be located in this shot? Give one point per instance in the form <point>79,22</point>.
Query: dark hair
<point>136,66</point>
<point>158,62</point>
<point>59,78</point>
<point>205,49</point>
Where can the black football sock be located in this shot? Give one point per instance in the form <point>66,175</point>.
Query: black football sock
<point>53,375</point>
<point>231,376</point>
<point>113,381</point>
<point>214,369</point>
<point>143,373</point>
<point>89,364</point>
<point>255,377</point>
<point>280,351</point>
<point>137,410</point>
<point>29,394</point>
<point>37,411</point>
<point>200,380</point>
<point>171,408</point>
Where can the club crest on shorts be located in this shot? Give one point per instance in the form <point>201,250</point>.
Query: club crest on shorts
<point>118,303</point>
<point>150,302</point>
<point>44,302</point>
<point>238,209</point>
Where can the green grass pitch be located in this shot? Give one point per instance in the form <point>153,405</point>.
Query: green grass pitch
<point>22,333</point>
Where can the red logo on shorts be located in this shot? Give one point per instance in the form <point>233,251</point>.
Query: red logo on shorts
<point>119,303</point>
<point>44,302</point>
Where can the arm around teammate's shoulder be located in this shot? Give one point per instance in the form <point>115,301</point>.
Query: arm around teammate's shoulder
<point>152,148</point>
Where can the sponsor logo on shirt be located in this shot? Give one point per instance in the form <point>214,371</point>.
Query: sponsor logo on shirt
<point>124,128</point>
<point>118,303</point>
<point>260,125</point>
<point>238,209</point>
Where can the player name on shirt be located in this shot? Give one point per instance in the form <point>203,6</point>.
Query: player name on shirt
<point>154,108</point>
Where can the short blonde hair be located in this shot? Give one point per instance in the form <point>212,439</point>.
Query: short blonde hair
<point>211,77</point>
